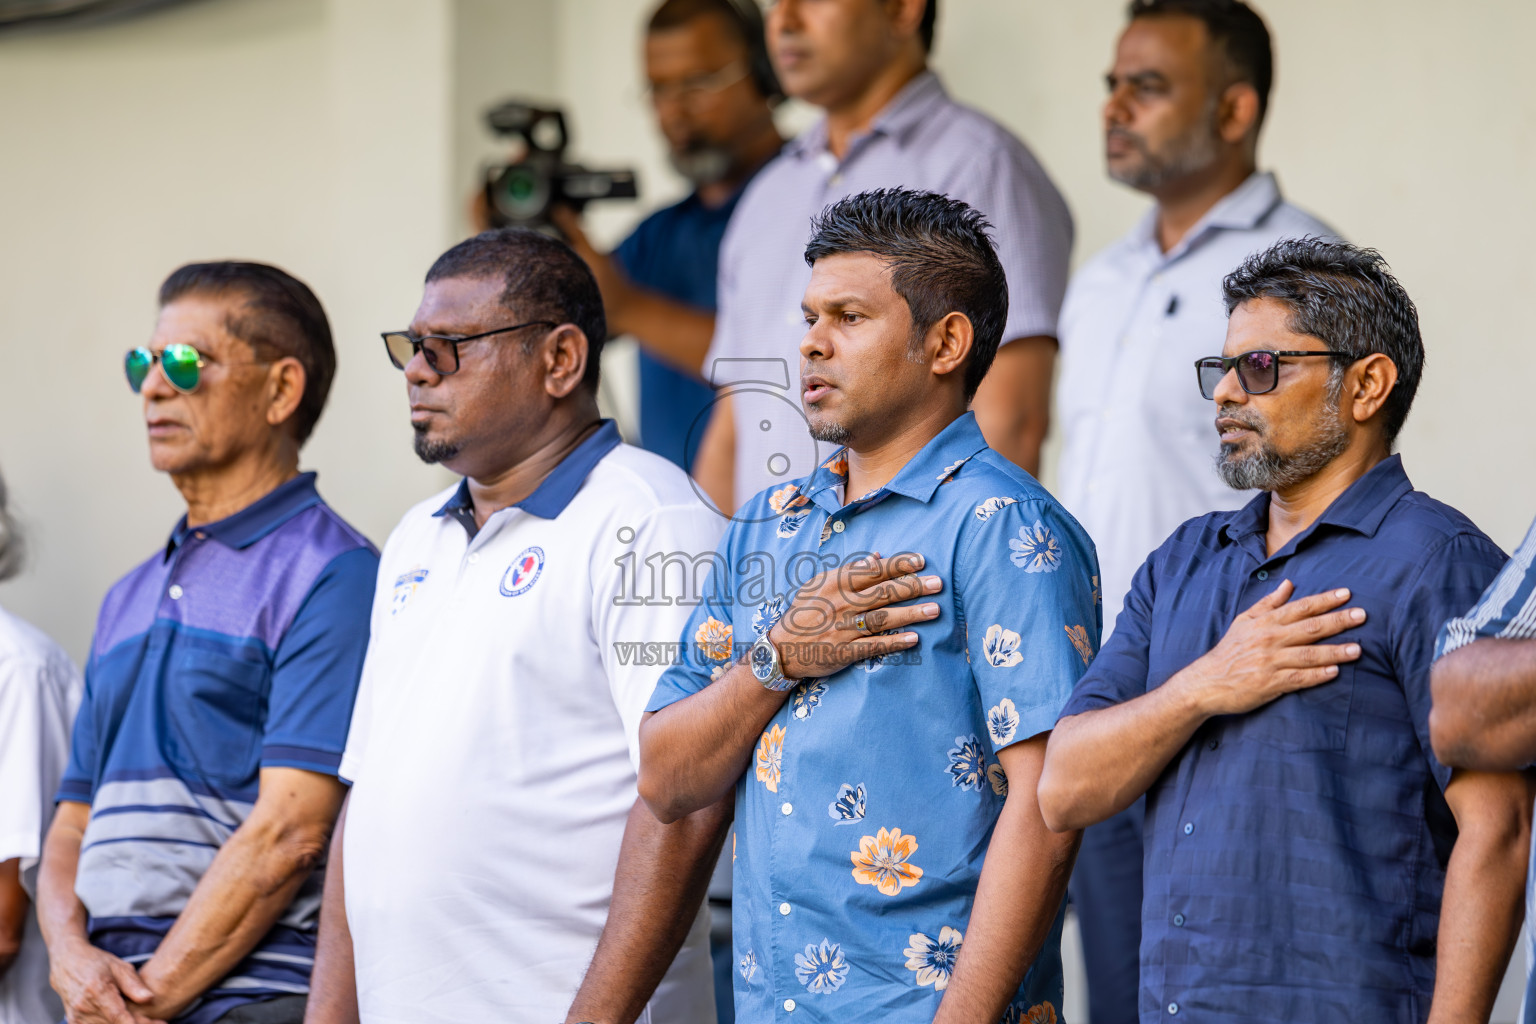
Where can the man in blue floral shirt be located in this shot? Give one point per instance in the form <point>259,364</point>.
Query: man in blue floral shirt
<point>881,747</point>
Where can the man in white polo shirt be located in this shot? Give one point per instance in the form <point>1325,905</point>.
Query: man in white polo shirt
<point>494,863</point>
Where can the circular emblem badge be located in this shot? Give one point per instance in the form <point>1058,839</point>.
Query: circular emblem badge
<point>523,572</point>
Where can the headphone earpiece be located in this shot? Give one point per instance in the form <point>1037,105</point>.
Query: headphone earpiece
<point>749,18</point>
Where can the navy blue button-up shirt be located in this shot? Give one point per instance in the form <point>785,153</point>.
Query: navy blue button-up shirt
<point>1295,855</point>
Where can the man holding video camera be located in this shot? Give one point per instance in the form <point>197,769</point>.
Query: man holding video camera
<point>712,88</point>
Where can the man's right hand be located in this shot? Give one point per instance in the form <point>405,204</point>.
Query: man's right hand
<point>1273,649</point>
<point>832,620</point>
<point>96,986</point>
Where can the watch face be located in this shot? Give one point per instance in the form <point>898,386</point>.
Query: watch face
<point>762,661</point>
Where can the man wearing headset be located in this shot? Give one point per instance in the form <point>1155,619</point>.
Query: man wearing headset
<point>713,91</point>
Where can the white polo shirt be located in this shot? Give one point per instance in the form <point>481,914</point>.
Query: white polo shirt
<point>494,745</point>
<point>39,693</point>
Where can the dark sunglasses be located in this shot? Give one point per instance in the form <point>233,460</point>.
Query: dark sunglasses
<point>1257,371</point>
<point>440,352</point>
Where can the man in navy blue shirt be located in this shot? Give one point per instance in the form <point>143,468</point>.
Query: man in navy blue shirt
<point>712,88</point>
<point>179,879</point>
<point>1267,687</point>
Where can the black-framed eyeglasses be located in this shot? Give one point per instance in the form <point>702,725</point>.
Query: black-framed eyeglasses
<point>1257,371</point>
<point>440,351</point>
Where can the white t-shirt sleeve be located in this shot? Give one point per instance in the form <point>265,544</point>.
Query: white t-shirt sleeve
<point>23,773</point>
<point>685,535</point>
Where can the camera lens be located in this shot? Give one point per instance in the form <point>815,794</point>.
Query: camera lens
<point>522,193</point>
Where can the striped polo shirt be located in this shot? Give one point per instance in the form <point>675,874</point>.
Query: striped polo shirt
<point>237,648</point>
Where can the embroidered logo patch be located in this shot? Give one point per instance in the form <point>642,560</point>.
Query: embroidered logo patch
<point>405,586</point>
<point>523,572</point>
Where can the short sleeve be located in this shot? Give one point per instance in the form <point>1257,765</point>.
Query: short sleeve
<point>316,668</point>
<point>1032,229</point>
<point>1026,581</point>
<point>1506,610</point>
<point>703,648</point>
<point>1119,673</point>
<point>22,771</point>
<point>1451,580</point>
<point>79,782</point>
<point>637,632</point>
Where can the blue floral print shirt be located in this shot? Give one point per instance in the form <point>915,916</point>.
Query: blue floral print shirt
<point>867,810</point>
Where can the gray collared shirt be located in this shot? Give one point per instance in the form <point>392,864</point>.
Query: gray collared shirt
<point>921,140</point>
<point>1139,443</point>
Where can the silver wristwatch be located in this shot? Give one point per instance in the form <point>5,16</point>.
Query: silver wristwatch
<point>764,662</point>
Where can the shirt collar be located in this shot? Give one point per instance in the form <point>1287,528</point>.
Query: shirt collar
<point>907,110</point>
<point>257,519</point>
<point>555,491</point>
<point>1242,209</point>
<point>935,462</point>
<point>1361,508</point>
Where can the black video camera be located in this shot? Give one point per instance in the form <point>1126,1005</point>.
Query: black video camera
<point>521,193</point>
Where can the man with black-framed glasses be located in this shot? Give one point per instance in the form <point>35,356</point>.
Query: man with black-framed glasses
<point>180,878</point>
<point>1267,688</point>
<point>494,862</point>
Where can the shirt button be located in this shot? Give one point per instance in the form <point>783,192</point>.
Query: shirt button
<point>1178,920</point>
<point>1189,828</point>
<point>1214,744</point>
<point>200,535</point>
<point>1262,574</point>
<point>838,526</point>
<point>1173,1008</point>
<point>787,807</point>
<point>789,1006</point>
<point>175,592</point>
<point>784,909</point>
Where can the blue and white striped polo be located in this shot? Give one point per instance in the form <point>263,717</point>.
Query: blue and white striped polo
<point>237,648</point>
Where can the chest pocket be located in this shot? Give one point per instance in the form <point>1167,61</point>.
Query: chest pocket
<point>1316,719</point>
<point>214,708</point>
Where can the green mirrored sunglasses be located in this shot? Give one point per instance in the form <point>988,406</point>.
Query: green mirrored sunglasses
<point>181,365</point>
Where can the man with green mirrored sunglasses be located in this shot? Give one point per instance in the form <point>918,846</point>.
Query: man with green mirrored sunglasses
<point>179,876</point>
<point>181,364</point>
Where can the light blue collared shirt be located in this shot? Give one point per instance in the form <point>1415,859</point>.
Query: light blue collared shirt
<point>1138,438</point>
<point>864,817</point>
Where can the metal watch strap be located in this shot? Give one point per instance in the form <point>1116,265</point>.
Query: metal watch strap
<point>779,682</point>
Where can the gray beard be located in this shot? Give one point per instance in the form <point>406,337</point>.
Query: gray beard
<point>1179,159</point>
<point>1268,470</point>
<point>831,433</point>
<point>702,165</point>
<point>432,452</point>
